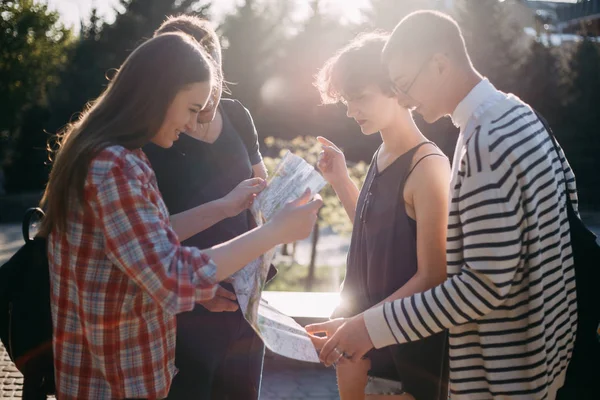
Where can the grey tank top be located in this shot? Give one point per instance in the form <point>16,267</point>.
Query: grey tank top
<point>383,249</point>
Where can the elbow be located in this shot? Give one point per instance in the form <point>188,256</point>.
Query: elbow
<point>431,279</point>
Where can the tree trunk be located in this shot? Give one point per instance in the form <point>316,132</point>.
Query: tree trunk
<point>310,279</point>
<point>284,250</point>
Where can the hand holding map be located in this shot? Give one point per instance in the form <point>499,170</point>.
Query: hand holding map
<point>280,333</point>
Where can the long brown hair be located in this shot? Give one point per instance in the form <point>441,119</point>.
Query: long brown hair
<point>128,113</point>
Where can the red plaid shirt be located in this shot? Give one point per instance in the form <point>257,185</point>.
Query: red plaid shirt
<point>118,277</point>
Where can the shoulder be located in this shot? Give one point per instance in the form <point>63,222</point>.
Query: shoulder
<point>233,105</point>
<point>498,133</point>
<point>430,172</point>
<point>429,159</point>
<point>115,161</point>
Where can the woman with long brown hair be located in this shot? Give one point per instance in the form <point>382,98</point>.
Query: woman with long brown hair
<point>118,271</point>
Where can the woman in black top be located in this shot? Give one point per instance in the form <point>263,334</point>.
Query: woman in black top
<point>400,219</point>
<point>218,354</point>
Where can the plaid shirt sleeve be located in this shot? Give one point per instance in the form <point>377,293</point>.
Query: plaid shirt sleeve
<point>141,242</point>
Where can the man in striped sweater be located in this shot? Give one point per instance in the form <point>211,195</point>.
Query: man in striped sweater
<point>509,302</point>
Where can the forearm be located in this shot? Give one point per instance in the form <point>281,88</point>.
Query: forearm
<point>233,255</point>
<point>260,170</point>
<point>348,193</point>
<point>188,223</point>
<point>420,282</point>
<point>463,298</point>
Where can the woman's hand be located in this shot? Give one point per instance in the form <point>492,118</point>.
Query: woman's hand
<point>296,219</point>
<point>332,162</point>
<point>242,196</point>
<point>224,301</point>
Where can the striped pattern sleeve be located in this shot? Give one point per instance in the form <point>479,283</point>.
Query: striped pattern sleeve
<point>489,236</point>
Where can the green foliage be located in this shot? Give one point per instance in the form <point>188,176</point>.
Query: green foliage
<point>33,48</point>
<point>332,214</point>
<point>293,278</point>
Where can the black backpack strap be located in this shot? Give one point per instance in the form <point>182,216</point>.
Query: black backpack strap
<point>556,149</point>
<point>30,215</point>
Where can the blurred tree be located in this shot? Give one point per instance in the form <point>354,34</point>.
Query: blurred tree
<point>579,133</point>
<point>33,47</point>
<point>100,48</point>
<point>385,14</point>
<point>495,38</point>
<point>540,82</point>
<point>254,36</point>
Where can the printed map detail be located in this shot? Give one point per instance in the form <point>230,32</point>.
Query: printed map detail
<point>280,333</point>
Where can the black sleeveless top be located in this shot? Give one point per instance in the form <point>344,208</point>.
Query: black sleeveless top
<point>383,249</point>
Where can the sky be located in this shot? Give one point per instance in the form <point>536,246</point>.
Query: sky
<point>72,11</point>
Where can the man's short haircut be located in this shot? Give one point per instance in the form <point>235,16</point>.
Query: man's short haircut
<point>424,33</point>
<point>198,28</point>
<point>354,67</point>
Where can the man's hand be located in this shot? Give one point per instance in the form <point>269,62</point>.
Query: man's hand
<point>224,301</point>
<point>328,328</point>
<point>351,340</point>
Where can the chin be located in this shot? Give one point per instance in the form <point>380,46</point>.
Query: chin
<point>368,131</point>
<point>165,144</point>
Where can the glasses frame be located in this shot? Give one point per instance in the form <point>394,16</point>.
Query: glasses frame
<point>406,92</point>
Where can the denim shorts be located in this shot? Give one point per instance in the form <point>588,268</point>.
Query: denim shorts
<point>383,386</point>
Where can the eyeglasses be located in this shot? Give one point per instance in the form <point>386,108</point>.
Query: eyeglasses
<point>406,92</point>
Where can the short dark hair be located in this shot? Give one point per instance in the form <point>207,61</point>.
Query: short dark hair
<point>428,32</point>
<point>353,67</point>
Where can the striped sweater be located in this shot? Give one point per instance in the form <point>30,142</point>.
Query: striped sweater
<point>509,302</point>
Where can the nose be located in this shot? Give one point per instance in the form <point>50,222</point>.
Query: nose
<point>351,110</point>
<point>192,123</point>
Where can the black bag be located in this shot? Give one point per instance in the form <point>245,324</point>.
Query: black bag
<point>25,318</point>
<point>583,373</point>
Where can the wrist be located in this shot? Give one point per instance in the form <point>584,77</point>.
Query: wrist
<point>342,183</point>
<point>223,208</point>
<point>270,233</point>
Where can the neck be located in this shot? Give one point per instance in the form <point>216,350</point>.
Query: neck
<point>463,84</point>
<point>401,135</point>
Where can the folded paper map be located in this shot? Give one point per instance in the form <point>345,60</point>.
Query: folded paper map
<point>280,333</point>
